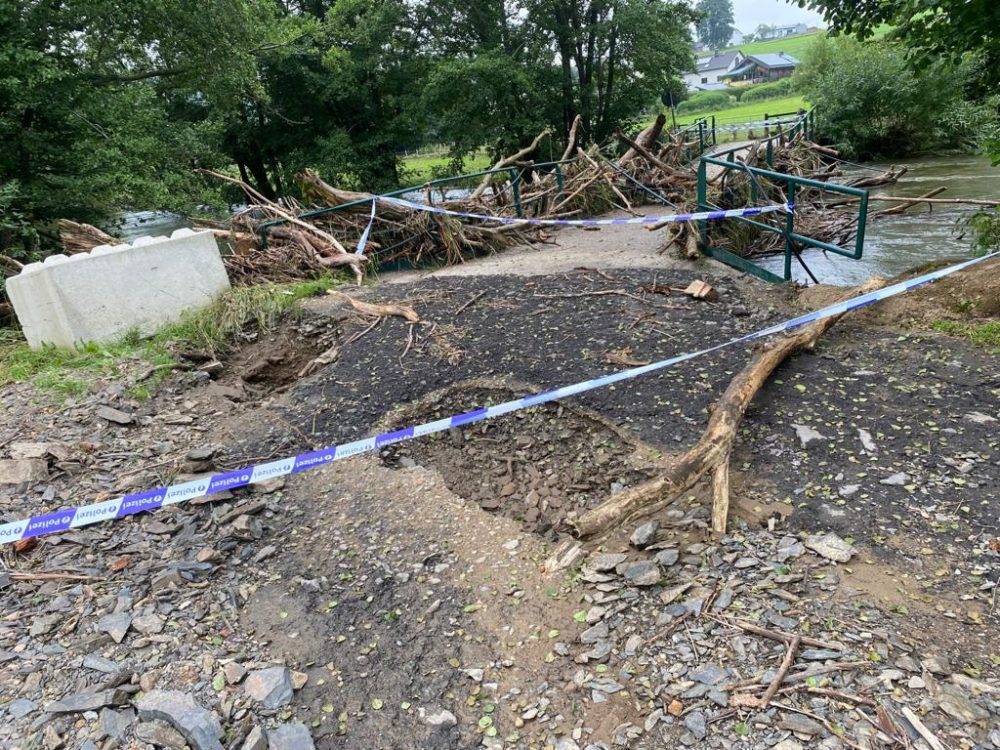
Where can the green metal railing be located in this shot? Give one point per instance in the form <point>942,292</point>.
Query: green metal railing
<point>515,174</point>
<point>793,239</point>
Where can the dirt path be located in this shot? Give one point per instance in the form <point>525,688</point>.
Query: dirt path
<point>572,248</point>
<point>410,600</point>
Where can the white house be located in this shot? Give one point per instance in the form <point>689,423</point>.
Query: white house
<point>780,32</point>
<point>711,69</point>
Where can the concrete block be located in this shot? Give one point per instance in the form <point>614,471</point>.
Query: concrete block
<point>99,296</point>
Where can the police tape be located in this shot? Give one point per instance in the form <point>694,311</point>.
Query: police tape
<point>75,517</point>
<point>669,218</point>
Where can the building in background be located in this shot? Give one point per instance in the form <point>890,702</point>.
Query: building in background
<point>765,33</point>
<point>710,70</point>
<point>760,69</point>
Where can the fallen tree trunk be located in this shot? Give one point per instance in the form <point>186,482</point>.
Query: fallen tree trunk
<point>909,203</point>
<point>645,139</point>
<point>316,190</point>
<point>82,238</point>
<point>710,455</point>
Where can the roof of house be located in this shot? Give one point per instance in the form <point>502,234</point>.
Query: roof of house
<point>720,61</point>
<point>771,60</point>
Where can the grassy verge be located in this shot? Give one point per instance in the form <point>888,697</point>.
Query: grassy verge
<point>982,334</point>
<point>71,372</point>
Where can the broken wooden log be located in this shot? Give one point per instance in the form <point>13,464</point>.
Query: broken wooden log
<point>646,139</point>
<point>82,238</point>
<point>710,455</point>
<point>506,162</point>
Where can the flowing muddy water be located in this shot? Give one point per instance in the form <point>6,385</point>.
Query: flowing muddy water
<point>898,243</point>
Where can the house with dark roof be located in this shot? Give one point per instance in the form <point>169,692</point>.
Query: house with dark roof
<point>761,68</point>
<point>711,69</point>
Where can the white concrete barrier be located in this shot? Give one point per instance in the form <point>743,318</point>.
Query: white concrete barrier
<point>101,295</point>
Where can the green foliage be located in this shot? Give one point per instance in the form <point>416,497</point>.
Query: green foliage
<point>870,102</point>
<point>985,226</point>
<point>707,101</point>
<point>715,27</point>
<point>764,91</point>
<point>932,31</point>
<point>981,334</point>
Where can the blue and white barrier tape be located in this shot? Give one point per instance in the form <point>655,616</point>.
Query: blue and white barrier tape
<point>672,218</point>
<point>73,518</point>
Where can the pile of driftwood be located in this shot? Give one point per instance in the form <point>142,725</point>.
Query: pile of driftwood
<point>813,215</point>
<point>285,238</point>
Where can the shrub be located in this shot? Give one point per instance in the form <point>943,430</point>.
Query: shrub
<point>773,90</point>
<point>706,101</point>
<point>870,102</point>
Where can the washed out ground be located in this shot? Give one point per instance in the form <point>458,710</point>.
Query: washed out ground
<point>416,597</point>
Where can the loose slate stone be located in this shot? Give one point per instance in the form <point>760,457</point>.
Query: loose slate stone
<point>14,471</point>
<point>597,633</point>
<point>831,547</point>
<point>116,625</point>
<point>645,535</point>
<point>290,737</point>
<point>606,561</point>
<point>79,702</point>
<point>161,734</point>
<point>801,725</point>
<point>20,708</point>
<point>199,727</point>
<point>819,654</point>
<point>667,557</point>
<point>114,723</point>
<point>897,480</point>
<point>710,674</point>
<point>696,724</point>
<point>954,703</point>
<point>256,740</point>
<point>114,415</point>
<point>644,573</point>
<point>439,718</point>
<point>99,664</point>
<point>147,624</point>
<point>271,687</point>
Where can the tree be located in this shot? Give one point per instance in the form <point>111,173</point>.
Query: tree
<point>89,90</point>
<point>935,30</point>
<point>715,27</point>
<point>931,29</point>
<point>872,103</point>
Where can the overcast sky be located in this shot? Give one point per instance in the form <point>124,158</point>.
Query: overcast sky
<point>749,14</point>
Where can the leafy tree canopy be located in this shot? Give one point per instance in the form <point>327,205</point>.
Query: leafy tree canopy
<point>715,27</point>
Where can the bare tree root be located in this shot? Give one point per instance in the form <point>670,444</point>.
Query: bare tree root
<point>710,455</point>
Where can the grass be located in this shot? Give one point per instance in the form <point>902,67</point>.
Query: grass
<point>790,45</point>
<point>72,372</point>
<point>749,111</point>
<point>419,169</point>
<point>981,334</point>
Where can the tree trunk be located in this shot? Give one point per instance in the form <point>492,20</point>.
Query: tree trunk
<point>710,455</point>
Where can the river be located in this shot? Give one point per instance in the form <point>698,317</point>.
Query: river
<point>898,243</point>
